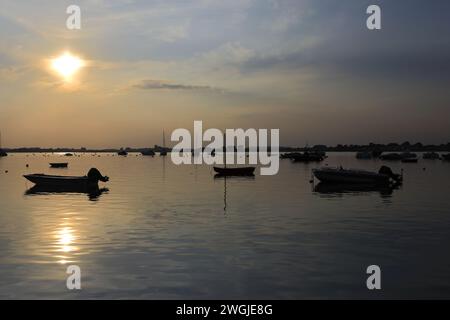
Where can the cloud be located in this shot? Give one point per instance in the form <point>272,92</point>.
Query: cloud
<point>159,84</point>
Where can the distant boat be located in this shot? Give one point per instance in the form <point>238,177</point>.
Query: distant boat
<point>69,154</point>
<point>391,156</point>
<point>91,179</point>
<point>364,155</point>
<point>431,156</point>
<point>385,176</point>
<point>238,171</point>
<point>148,152</point>
<point>410,160</point>
<point>408,155</point>
<point>307,157</point>
<point>2,152</point>
<point>59,165</point>
<point>446,157</point>
<point>289,155</point>
<point>122,153</point>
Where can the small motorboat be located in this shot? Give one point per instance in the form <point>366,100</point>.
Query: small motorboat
<point>59,165</point>
<point>69,154</point>
<point>384,176</point>
<point>408,155</point>
<point>363,155</point>
<point>431,156</point>
<point>238,171</point>
<point>391,156</point>
<point>410,160</point>
<point>122,153</point>
<point>148,152</point>
<point>289,155</point>
<point>91,179</point>
<point>307,157</point>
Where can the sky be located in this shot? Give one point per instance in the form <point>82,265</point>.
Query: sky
<point>307,67</point>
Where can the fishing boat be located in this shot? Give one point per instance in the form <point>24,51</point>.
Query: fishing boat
<point>339,175</point>
<point>238,171</point>
<point>91,179</point>
<point>122,153</point>
<point>431,156</point>
<point>59,165</point>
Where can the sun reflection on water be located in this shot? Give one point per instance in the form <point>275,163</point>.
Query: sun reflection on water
<point>65,243</point>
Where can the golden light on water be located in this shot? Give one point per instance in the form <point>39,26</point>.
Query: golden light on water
<point>65,244</point>
<point>67,65</point>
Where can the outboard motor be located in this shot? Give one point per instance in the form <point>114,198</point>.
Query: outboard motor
<point>388,172</point>
<point>94,175</point>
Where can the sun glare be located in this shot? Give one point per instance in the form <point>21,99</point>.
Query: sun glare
<point>67,65</point>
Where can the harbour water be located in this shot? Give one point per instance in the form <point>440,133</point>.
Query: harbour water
<point>161,231</point>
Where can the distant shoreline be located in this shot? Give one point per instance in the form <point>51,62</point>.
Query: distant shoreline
<point>391,147</point>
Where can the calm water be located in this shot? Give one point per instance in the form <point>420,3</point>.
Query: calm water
<point>163,231</point>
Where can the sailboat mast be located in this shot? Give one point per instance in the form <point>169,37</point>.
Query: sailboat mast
<point>225,150</point>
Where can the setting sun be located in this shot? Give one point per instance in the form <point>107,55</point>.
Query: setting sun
<point>67,65</point>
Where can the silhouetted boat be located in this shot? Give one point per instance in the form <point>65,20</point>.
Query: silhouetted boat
<point>122,153</point>
<point>307,157</point>
<point>289,155</point>
<point>238,171</point>
<point>410,160</point>
<point>408,155</point>
<point>91,179</point>
<point>363,155</point>
<point>446,157</point>
<point>69,154</point>
<point>59,165</point>
<point>339,175</point>
<point>431,156</point>
<point>391,156</point>
<point>148,152</point>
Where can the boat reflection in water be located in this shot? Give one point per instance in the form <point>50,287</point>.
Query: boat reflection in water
<point>219,176</point>
<point>93,192</point>
<point>340,189</point>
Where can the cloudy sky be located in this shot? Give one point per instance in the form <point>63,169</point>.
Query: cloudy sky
<point>310,68</point>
